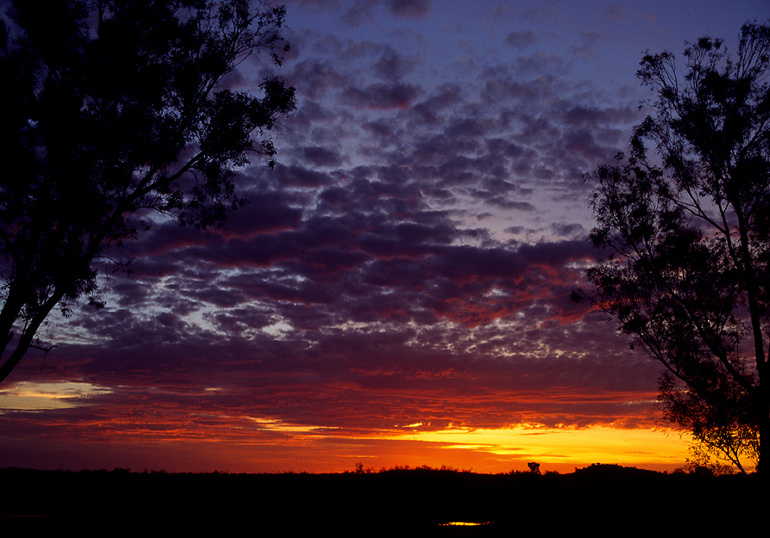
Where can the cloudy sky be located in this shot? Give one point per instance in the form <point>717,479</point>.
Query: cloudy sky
<point>396,291</point>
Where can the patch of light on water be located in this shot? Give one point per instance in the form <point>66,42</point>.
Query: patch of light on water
<point>465,523</point>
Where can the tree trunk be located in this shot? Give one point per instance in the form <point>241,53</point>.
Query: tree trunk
<point>26,337</point>
<point>763,456</point>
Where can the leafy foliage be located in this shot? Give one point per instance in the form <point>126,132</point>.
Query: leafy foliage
<point>686,228</point>
<point>112,108</point>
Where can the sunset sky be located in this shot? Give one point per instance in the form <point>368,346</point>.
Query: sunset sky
<point>396,291</point>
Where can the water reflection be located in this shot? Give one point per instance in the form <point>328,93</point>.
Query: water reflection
<point>465,523</point>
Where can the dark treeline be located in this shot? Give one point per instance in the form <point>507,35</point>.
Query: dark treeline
<point>601,499</point>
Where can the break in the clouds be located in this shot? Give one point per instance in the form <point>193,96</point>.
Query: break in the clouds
<point>405,268</point>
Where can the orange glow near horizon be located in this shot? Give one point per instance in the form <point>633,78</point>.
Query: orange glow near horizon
<point>183,441</point>
<point>563,449</point>
<point>502,450</point>
<point>299,449</point>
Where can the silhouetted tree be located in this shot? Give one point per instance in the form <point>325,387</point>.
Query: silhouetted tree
<point>110,109</point>
<point>686,226</point>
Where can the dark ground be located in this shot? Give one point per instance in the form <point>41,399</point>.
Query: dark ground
<point>603,500</point>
